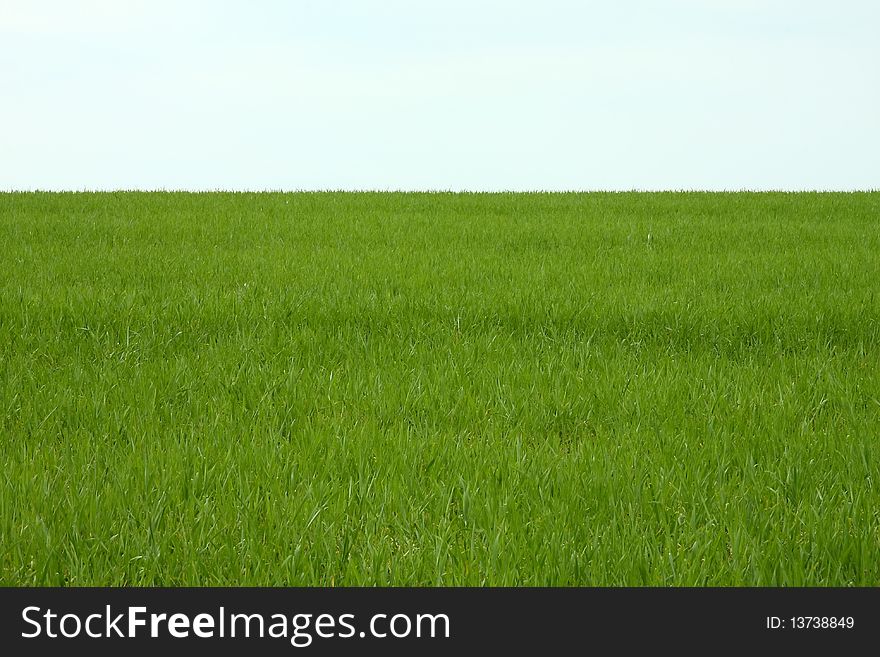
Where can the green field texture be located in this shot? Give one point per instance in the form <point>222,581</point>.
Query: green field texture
<point>440,389</point>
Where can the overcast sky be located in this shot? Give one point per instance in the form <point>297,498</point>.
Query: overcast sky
<point>439,94</point>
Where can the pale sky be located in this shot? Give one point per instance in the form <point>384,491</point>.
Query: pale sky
<point>440,94</point>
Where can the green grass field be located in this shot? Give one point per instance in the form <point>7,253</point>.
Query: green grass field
<point>440,389</point>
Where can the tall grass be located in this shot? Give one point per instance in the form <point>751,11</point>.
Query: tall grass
<point>440,389</point>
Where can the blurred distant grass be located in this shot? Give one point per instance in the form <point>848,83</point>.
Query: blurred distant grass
<point>396,389</point>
